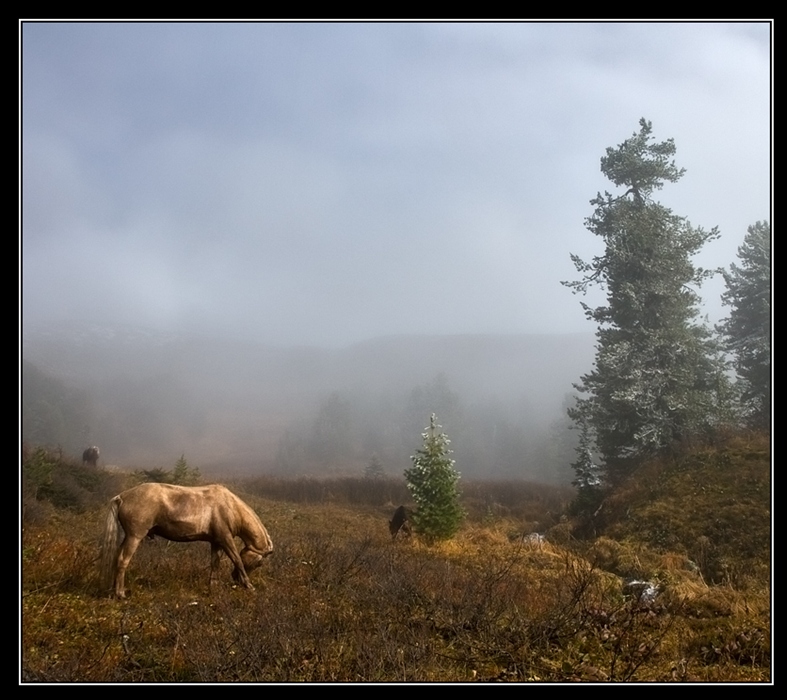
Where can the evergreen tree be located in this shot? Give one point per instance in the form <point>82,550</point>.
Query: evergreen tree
<point>375,469</point>
<point>748,328</point>
<point>433,483</point>
<point>183,474</point>
<point>434,397</point>
<point>331,435</point>
<point>658,375</point>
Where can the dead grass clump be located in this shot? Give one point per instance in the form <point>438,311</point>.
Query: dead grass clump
<point>560,534</point>
<point>483,538</point>
<point>621,558</point>
<point>702,601</point>
<point>672,561</point>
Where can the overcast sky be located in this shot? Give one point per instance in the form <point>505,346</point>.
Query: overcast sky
<point>328,183</point>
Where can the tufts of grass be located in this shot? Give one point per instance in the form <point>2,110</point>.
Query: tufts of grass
<point>710,504</point>
<point>52,480</point>
<point>338,601</point>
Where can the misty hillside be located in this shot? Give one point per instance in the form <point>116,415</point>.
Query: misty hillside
<point>148,396</point>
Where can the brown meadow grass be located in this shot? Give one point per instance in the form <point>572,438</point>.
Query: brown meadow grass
<point>339,601</point>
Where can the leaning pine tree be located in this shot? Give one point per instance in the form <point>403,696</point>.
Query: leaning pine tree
<point>658,376</point>
<point>433,483</point>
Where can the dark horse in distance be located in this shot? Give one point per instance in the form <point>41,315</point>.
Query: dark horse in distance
<point>90,456</point>
<point>399,523</point>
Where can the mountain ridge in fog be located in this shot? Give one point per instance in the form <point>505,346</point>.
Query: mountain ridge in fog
<point>229,402</point>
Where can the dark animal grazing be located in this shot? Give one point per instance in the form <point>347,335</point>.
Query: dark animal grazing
<point>183,514</point>
<point>399,523</point>
<point>90,456</point>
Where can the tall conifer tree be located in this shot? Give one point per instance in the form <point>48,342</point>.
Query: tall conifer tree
<point>748,328</point>
<point>657,374</point>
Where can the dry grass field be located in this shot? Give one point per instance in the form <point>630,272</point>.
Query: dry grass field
<point>339,601</point>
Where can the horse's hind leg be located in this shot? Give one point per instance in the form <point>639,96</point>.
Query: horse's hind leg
<point>127,550</point>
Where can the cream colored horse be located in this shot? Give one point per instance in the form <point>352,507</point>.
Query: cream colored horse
<point>182,514</point>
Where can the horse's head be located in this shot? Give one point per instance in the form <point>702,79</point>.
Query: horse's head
<point>251,559</point>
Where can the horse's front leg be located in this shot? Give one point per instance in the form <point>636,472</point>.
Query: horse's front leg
<point>215,560</point>
<point>239,574</point>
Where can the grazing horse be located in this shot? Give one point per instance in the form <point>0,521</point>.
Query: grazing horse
<point>90,456</point>
<point>399,523</point>
<point>183,514</point>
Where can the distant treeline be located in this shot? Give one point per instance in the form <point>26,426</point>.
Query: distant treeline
<point>147,422</point>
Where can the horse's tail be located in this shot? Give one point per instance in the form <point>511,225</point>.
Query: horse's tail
<point>109,545</point>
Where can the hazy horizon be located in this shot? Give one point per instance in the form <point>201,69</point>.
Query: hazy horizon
<point>144,397</point>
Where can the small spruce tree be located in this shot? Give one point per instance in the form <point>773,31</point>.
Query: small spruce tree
<point>375,469</point>
<point>156,475</point>
<point>184,475</point>
<point>433,484</point>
